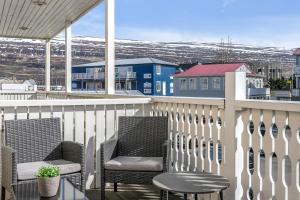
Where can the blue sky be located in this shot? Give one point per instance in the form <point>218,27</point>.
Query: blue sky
<point>256,22</point>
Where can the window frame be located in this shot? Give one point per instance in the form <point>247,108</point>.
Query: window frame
<point>201,83</point>
<point>171,87</point>
<point>194,85</point>
<point>184,87</point>
<point>213,83</point>
<point>156,84</point>
<point>158,69</point>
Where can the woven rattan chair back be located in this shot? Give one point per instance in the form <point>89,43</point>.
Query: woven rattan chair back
<point>142,136</point>
<point>34,139</point>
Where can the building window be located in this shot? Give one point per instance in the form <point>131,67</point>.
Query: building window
<point>147,76</point>
<point>158,69</point>
<point>147,91</point>
<point>183,84</point>
<point>204,83</point>
<point>192,84</point>
<point>118,86</point>
<point>216,83</point>
<point>171,87</point>
<point>158,86</point>
<point>130,68</point>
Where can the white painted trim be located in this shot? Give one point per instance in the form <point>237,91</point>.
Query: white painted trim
<point>48,66</point>
<point>72,102</point>
<point>68,58</point>
<point>109,47</point>
<point>190,100</point>
<point>202,83</point>
<point>286,106</point>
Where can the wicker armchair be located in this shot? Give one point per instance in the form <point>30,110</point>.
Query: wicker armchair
<point>141,141</point>
<point>33,143</point>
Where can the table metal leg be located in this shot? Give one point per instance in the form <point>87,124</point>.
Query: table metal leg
<point>115,187</point>
<point>196,196</point>
<point>3,193</point>
<point>221,195</point>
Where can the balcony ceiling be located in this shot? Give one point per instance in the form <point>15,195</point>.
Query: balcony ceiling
<point>40,19</point>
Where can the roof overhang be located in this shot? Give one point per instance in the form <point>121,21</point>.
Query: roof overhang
<point>40,19</point>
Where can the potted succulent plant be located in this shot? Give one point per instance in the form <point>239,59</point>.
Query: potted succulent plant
<point>48,180</point>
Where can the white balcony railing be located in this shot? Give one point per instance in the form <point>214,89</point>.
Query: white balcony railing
<point>101,76</point>
<point>18,95</point>
<point>86,76</point>
<point>255,144</point>
<point>89,122</point>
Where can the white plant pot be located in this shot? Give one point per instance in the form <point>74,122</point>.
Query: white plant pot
<point>48,187</point>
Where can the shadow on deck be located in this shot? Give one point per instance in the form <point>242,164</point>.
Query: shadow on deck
<point>130,192</point>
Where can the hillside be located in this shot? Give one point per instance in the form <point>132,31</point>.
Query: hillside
<point>25,58</point>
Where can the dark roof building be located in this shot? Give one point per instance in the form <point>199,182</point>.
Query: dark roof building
<point>208,80</point>
<point>297,52</point>
<point>209,70</point>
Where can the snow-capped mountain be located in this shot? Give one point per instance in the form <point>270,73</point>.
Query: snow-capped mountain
<point>25,53</point>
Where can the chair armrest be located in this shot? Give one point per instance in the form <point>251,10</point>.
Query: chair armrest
<point>108,150</point>
<point>9,167</point>
<point>166,153</point>
<point>73,151</point>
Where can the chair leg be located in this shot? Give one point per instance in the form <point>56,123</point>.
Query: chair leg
<point>161,196</point>
<point>2,193</point>
<point>103,191</point>
<point>115,187</point>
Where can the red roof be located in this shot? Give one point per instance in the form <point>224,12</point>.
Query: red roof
<point>297,52</point>
<point>210,70</point>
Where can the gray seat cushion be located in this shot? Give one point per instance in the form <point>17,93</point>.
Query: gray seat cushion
<point>124,163</point>
<point>27,171</point>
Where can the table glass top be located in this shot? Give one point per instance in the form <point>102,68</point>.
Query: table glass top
<point>197,183</point>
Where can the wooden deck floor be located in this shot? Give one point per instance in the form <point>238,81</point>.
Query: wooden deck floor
<point>130,192</point>
<point>138,192</point>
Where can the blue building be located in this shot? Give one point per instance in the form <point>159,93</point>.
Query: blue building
<point>148,75</point>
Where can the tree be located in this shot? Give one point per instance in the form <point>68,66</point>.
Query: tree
<point>279,84</point>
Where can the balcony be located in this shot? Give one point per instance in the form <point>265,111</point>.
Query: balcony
<point>243,140</point>
<point>253,143</point>
<point>101,76</point>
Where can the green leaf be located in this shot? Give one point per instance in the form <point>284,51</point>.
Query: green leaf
<point>48,172</point>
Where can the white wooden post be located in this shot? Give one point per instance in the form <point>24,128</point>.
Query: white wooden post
<point>109,47</point>
<point>47,65</point>
<point>68,58</point>
<point>235,89</point>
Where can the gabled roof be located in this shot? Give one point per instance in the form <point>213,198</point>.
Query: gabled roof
<point>135,61</point>
<point>30,82</point>
<point>297,52</point>
<point>210,70</point>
